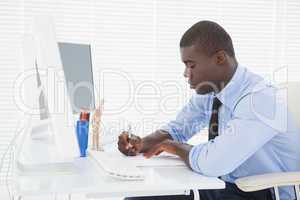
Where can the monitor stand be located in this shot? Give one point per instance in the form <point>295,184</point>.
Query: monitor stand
<point>41,151</point>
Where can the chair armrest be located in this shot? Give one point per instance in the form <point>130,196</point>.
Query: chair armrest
<point>264,181</point>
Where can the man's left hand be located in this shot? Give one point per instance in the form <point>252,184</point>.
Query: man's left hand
<point>168,146</point>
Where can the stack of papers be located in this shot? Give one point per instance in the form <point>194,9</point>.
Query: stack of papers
<point>162,160</point>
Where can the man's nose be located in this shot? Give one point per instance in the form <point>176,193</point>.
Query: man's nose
<point>185,73</point>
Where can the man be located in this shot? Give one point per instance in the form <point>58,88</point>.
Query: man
<point>248,133</point>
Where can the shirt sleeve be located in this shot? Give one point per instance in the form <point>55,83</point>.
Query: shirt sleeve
<point>250,128</point>
<point>190,120</point>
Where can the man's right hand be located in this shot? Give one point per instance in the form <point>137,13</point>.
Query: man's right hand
<point>129,146</point>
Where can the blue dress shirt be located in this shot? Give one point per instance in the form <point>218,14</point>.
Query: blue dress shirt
<point>256,132</point>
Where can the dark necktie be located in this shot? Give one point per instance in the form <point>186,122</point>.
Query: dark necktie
<point>213,123</point>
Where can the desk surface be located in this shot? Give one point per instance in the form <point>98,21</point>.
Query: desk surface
<point>88,178</point>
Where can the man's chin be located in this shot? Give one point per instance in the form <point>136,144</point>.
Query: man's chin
<point>198,90</point>
<point>192,86</point>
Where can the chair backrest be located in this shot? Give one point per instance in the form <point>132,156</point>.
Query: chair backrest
<point>294,109</point>
<point>294,101</point>
<point>292,90</point>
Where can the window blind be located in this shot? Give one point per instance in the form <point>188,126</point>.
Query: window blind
<point>10,66</point>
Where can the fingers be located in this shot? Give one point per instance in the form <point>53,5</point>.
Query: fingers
<point>132,152</point>
<point>129,146</point>
<point>159,148</point>
<point>123,144</point>
<point>136,142</point>
<point>135,147</point>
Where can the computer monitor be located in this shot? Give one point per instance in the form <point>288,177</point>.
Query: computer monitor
<point>77,65</point>
<point>47,142</point>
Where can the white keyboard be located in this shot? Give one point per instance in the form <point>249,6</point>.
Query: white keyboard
<point>117,167</point>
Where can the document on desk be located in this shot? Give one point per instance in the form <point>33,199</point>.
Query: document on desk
<point>157,161</point>
<point>162,160</point>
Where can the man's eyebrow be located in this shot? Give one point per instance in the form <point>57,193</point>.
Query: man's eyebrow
<point>187,61</point>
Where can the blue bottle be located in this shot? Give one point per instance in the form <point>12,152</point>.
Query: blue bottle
<point>82,132</point>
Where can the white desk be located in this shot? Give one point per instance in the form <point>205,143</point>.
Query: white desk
<point>89,179</point>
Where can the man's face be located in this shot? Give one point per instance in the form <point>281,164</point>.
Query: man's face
<point>200,70</point>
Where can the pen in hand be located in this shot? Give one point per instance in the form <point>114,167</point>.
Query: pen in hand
<point>129,131</point>
<point>129,144</point>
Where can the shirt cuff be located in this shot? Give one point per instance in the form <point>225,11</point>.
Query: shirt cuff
<point>194,157</point>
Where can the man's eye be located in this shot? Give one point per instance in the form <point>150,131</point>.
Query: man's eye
<point>190,65</point>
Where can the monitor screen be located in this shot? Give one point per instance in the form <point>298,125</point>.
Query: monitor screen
<point>77,66</point>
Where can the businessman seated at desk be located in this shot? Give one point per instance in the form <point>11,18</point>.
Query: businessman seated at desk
<point>234,103</point>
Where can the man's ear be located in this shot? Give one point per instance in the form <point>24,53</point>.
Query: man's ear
<point>220,57</point>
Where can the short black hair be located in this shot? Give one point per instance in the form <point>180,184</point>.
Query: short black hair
<point>209,36</point>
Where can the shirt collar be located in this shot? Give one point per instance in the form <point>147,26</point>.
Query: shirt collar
<point>230,93</point>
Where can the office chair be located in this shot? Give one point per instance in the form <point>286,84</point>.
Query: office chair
<point>275,180</point>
